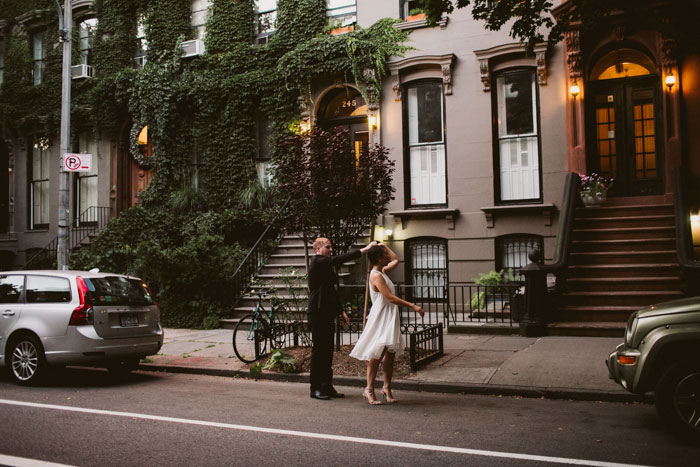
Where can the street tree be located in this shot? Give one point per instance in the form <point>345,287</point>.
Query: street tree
<point>332,192</point>
<point>530,20</point>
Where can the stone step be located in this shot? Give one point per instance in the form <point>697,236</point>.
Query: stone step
<point>622,257</point>
<point>587,329</point>
<point>624,270</point>
<point>632,244</point>
<point>624,222</point>
<point>610,210</point>
<point>579,234</point>
<point>612,284</point>
<point>590,313</point>
<point>287,258</point>
<point>635,298</point>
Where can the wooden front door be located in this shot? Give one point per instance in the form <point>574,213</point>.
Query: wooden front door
<point>624,128</point>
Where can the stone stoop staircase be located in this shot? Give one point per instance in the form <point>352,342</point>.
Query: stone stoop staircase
<point>283,277</point>
<point>623,257</point>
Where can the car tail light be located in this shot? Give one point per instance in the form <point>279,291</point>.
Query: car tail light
<point>627,359</point>
<point>143,284</point>
<point>82,315</point>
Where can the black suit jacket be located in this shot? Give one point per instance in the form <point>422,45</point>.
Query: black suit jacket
<point>324,302</point>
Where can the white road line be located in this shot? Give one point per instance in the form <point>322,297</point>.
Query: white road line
<point>303,434</point>
<point>24,462</point>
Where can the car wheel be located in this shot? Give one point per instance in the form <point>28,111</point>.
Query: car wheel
<point>123,367</point>
<point>677,399</point>
<point>27,361</point>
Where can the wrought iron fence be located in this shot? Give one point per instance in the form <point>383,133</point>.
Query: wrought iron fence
<point>494,304</point>
<point>459,304</point>
<point>89,222</point>
<point>425,346</point>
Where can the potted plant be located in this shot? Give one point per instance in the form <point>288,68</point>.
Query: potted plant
<point>492,280</point>
<point>415,14</point>
<point>594,189</point>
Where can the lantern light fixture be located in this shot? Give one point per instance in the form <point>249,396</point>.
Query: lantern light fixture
<point>670,81</point>
<point>574,90</point>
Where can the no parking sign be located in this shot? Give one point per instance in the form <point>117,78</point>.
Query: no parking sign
<point>76,162</point>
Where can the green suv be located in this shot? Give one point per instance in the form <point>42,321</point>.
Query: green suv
<point>661,353</point>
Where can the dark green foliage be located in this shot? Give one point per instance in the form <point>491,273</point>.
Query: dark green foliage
<point>230,22</point>
<point>217,109</point>
<point>167,24</point>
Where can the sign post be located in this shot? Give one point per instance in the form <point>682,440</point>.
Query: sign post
<point>65,20</point>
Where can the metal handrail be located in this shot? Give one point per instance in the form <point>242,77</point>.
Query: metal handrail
<point>257,256</point>
<point>89,222</point>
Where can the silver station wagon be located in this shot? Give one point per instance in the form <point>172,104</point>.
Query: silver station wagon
<point>57,318</point>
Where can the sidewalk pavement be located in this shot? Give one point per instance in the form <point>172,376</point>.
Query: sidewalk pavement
<point>553,366</point>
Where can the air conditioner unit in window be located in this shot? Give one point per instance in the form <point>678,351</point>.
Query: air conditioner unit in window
<point>81,71</point>
<point>192,48</point>
<point>140,61</point>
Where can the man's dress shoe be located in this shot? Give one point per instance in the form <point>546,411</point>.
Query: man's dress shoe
<point>335,394</point>
<point>319,395</point>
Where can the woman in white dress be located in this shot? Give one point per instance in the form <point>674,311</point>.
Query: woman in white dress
<point>381,337</point>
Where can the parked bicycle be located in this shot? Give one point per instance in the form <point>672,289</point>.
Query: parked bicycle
<point>264,322</point>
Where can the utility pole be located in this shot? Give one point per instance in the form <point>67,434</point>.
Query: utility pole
<point>65,21</point>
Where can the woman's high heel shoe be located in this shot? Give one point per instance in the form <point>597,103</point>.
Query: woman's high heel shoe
<point>368,394</point>
<point>388,396</point>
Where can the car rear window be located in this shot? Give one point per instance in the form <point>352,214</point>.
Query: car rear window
<point>47,289</point>
<point>116,290</point>
<point>11,288</point>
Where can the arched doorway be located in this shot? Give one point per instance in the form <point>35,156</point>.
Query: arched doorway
<point>345,106</point>
<point>129,178</point>
<point>625,122</point>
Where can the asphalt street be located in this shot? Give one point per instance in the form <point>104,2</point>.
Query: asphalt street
<point>82,417</point>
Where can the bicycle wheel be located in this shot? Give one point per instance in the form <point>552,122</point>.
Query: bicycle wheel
<point>244,338</point>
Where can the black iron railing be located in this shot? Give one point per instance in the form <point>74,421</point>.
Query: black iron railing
<point>538,304</point>
<point>89,222</point>
<point>425,346</point>
<point>257,256</point>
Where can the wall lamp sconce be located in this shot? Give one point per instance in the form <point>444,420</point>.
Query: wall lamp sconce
<point>304,126</point>
<point>670,81</point>
<point>372,121</point>
<point>574,90</point>
<point>389,233</point>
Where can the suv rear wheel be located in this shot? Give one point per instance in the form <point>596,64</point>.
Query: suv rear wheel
<point>677,399</point>
<point>27,363</point>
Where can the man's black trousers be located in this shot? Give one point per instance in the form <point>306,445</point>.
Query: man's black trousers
<point>321,372</point>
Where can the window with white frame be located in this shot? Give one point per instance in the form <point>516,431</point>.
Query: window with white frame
<point>408,6</point>
<point>265,20</point>
<point>86,30</point>
<point>341,12</point>
<point>86,182</point>
<point>141,43</point>
<point>39,184</point>
<point>423,110</point>
<point>200,10</point>
<point>427,267</point>
<point>517,157</point>
<point>39,57</point>
<point>512,252</point>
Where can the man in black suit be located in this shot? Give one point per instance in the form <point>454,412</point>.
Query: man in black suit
<point>324,307</point>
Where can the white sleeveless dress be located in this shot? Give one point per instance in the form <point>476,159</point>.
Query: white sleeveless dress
<point>383,328</point>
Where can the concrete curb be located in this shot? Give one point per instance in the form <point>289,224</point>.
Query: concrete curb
<point>421,386</point>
